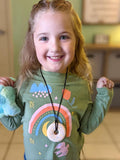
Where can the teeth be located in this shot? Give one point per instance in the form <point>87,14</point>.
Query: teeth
<point>55,57</point>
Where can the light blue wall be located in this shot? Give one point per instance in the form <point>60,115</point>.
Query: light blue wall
<point>20,13</point>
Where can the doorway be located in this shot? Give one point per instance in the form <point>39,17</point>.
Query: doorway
<point>6,45</point>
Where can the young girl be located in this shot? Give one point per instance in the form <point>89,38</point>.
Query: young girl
<point>54,86</point>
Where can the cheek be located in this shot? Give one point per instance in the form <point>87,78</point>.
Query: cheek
<point>72,52</point>
<point>37,52</point>
<point>72,49</point>
<point>41,56</point>
<point>38,49</point>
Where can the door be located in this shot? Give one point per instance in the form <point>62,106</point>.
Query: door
<point>6,51</point>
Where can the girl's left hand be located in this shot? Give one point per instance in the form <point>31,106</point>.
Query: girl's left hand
<point>105,82</point>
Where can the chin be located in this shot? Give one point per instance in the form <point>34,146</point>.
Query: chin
<point>54,69</point>
<point>58,70</point>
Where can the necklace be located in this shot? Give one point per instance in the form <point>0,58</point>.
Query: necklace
<point>55,132</point>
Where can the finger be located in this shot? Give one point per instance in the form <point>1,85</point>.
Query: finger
<point>101,82</point>
<point>3,81</point>
<point>6,81</point>
<point>104,80</point>
<point>10,82</point>
<point>111,84</point>
<point>4,84</point>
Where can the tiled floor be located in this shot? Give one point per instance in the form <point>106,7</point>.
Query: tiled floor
<point>102,144</point>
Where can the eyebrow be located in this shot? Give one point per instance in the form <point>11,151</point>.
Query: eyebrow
<point>65,32</point>
<point>46,33</point>
<point>39,34</point>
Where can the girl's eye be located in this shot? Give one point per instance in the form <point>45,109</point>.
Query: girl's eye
<point>64,37</point>
<point>43,39</point>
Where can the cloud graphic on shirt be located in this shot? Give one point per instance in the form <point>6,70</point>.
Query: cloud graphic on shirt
<point>40,88</point>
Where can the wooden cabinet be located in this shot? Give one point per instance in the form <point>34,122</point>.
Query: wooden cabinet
<point>105,61</point>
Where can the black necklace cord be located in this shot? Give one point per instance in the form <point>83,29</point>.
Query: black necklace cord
<point>55,115</point>
<point>56,120</point>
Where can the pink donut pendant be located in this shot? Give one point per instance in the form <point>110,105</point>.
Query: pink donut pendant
<point>56,137</point>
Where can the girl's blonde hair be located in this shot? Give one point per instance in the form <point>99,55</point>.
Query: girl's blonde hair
<point>28,60</point>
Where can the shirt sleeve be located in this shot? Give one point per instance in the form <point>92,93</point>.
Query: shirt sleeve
<point>96,110</point>
<point>13,122</point>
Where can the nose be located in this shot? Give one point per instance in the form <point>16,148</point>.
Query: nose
<point>55,45</point>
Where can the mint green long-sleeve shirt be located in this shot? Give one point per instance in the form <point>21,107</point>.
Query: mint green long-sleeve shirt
<point>78,114</point>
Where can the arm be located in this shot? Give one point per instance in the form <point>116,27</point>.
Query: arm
<point>13,122</point>
<point>96,110</point>
<point>12,108</point>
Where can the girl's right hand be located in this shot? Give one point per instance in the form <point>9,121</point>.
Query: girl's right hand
<point>6,81</point>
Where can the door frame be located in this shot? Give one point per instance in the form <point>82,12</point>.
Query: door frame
<point>10,36</point>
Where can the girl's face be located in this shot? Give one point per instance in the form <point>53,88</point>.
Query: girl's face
<point>54,40</point>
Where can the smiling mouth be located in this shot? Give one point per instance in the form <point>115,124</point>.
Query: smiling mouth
<point>57,58</point>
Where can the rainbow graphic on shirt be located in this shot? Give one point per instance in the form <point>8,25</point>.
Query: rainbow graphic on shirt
<point>40,119</point>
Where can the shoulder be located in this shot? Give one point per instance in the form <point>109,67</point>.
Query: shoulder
<point>72,78</point>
